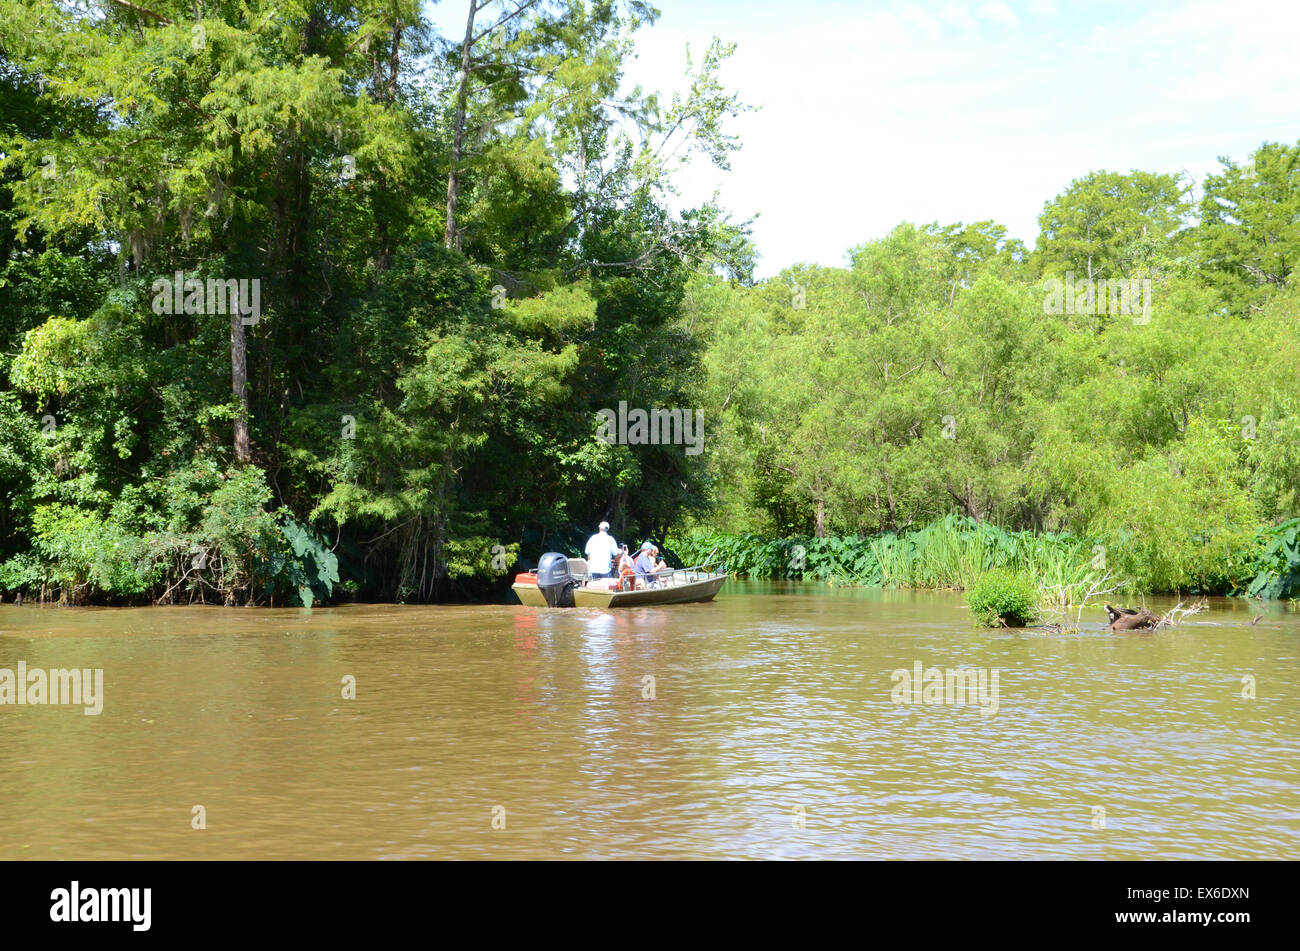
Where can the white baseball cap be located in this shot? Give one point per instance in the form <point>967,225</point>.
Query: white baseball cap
<point>604,526</point>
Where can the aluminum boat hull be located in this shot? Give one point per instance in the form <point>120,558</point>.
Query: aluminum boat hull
<point>686,592</point>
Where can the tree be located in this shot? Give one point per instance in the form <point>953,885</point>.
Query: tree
<point>525,65</point>
<point>213,127</point>
<point>1090,227</point>
<point>1249,234</point>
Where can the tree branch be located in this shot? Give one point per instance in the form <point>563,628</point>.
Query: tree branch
<point>505,19</point>
<point>142,11</point>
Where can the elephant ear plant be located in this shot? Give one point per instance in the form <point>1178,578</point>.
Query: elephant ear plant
<point>1002,598</point>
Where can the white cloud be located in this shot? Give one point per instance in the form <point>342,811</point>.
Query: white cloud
<point>998,13</point>
<point>958,16</point>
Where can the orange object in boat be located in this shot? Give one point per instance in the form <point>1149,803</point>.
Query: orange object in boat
<point>527,577</point>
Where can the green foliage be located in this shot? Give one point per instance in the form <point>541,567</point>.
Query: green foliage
<point>21,573</point>
<point>308,569</point>
<point>1250,226</point>
<point>421,394</point>
<point>950,553</point>
<point>80,550</point>
<point>934,378</point>
<point>845,559</point>
<point>1097,226</point>
<point>1002,598</point>
<point>1181,520</point>
<point>209,539</point>
<point>431,409</point>
<point>956,550</point>
<point>1276,563</point>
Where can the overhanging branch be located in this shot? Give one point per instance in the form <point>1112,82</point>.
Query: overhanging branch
<point>142,11</point>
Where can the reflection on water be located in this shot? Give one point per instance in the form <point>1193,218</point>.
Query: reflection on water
<point>712,730</point>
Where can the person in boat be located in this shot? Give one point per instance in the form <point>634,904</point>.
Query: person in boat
<point>625,570</point>
<point>601,551</point>
<point>645,566</point>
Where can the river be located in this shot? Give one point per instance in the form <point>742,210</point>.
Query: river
<point>761,725</point>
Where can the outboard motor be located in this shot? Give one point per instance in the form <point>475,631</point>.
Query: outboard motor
<point>554,579</point>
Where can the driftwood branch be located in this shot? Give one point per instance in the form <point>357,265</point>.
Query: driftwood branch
<point>1060,602</point>
<point>1178,613</point>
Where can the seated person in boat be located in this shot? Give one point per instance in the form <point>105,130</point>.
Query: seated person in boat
<point>625,570</point>
<point>645,566</point>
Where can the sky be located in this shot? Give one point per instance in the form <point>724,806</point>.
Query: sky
<point>874,113</point>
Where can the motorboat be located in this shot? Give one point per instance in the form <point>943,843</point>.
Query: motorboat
<point>562,582</point>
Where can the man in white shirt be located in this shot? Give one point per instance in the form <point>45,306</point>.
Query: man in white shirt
<point>601,552</point>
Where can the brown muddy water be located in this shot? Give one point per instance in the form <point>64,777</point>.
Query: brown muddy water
<point>769,729</point>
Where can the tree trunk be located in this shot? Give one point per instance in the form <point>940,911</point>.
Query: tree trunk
<point>394,62</point>
<point>239,381</point>
<point>450,237</point>
<point>239,346</point>
<point>893,506</point>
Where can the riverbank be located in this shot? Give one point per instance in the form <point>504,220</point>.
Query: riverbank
<point>950,553</point>
<point>954,551</point>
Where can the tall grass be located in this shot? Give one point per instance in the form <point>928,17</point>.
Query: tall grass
<point>949,553</point>
<point>955,551</point>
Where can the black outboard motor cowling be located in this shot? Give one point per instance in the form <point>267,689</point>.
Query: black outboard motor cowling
<point>555,581</point>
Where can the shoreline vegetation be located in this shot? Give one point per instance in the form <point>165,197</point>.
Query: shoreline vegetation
<point>957,552</point>
<point>300,308</point>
